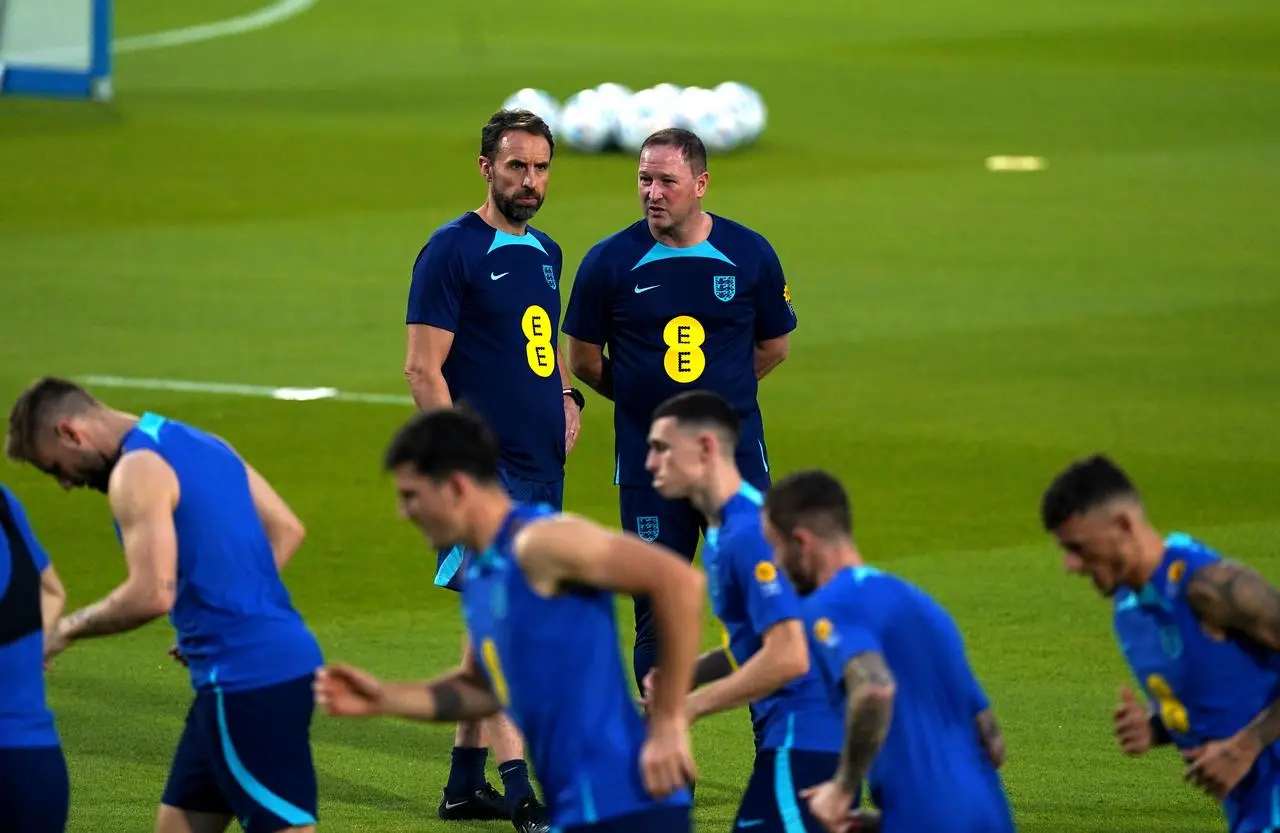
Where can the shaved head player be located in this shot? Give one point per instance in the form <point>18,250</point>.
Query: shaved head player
<point>682,299</point>
<point>483,318</point>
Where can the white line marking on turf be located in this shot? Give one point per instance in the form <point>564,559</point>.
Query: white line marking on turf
<point>1015,163</point>
<point>277,12</point>
<point>288,394</point>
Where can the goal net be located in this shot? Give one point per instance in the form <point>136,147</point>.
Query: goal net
<point>55,48</point>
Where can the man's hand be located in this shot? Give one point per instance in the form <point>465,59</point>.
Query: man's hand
<point>343,691</point>
<point>1218,766</point>
<point>666,763</point>
<point>829,803</point>
<point>1133,725</point>
<point>572,423</point>
<point>56,640</point>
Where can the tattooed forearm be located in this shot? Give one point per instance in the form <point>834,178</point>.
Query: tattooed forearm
<point>125,609</point>
<point>1232,597</point>
<point>458,699</point>
<point>712,666</point>
<point>992,738</point>
<point>869,688</point>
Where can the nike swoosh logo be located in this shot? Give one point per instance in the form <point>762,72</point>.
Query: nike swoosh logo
<point>751,823</point>
<point>449,805</point>
<point>494,277</point>
<point>640,288</point>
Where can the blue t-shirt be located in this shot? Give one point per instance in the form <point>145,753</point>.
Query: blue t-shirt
<point>25,718</point>
<point>554,664</point>
<point>678,319</point>
<point>932,773</point>
<point>1204,688</point>
<point>749,596</point>
<point>236,623</point>
<point>499,295</point>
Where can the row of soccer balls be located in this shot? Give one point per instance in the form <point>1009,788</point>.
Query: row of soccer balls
<point>729,116</point>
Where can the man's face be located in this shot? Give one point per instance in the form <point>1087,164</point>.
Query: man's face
<point>670,193</point>
<point>795,554</point>
<point>678,459</point>
<point>1099,544</point>
<point>518,174</point>
<point>69,456</point>
<point>432,506</point>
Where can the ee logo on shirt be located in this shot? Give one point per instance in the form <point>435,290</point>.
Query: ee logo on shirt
<point>538,348</point>
<point>684,336</point>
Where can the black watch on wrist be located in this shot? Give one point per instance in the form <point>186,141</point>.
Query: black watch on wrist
<point>577,397</point>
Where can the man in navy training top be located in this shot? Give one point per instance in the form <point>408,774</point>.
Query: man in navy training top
<point>919,727</point>
<point>34,790</point>
<point>483,319</point>
<point>681,299</point>
<point>1200,633</point>
<point>539,609</point>
<point>764,659</point>
<point>204,538</point>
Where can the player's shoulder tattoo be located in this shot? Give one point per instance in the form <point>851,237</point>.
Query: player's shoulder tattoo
<point>1232,596</point>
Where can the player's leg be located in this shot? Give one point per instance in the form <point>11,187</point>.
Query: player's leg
<point>664,819</point>
<point>468,795</point>
<point>672,524</point>
<point>264,764</point>
<point>796,770</point>
<point>192,801</point>
<point>33,790</point>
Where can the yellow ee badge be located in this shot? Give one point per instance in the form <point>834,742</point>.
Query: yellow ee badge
<point>786,292</point>
<point>766,572</point>
<point>1176,571</point>
<point>822,630</point>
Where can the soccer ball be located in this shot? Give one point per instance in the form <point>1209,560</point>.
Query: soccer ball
<point>710,118</point>
<point>539,102</point>
<point>613,98</point>
<point>647,112</point>
<point>586,122</point>
<point>747,108</point>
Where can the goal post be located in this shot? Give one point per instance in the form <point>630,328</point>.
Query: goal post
<point>55,48</point>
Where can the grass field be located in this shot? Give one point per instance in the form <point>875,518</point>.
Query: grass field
<point>249,208</point>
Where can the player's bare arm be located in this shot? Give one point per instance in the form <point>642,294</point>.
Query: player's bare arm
<point>589,364</point>
<point>284,529</point>
<point>991,736</point>
<point>143,494</point>
<point>565,550</point>
<point>783,656</point>
<point>869,690</point>
<point>461,694</point>
<point>427,349</point>
<point>770,353</point>
<point>53,598</point>
<point>1232,598</point>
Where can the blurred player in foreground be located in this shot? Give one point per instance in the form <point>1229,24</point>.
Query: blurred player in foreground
<point>483,318</point>
<point>918,727</point>
<point>682,299</point>
<point>205,538</point>
<point>539,609</point>
<point>765,658</point>
<point>1200,633</point>
<point>34,790</point>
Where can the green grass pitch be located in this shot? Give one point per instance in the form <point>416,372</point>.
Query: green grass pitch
<point>249,208</point>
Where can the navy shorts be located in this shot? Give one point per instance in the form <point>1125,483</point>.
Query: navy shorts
<point>772,802</point>
<point>248,754</point>
<point>449,562</point>
<point>665,819</point>
<point>34,790</point>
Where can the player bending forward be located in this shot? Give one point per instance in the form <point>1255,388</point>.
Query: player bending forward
<point>918,725</point>
<point>539,610</point>
<point>1200,633</point>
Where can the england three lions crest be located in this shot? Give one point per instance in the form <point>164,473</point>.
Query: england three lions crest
<point>647,528</point>
<point>726,286</point>
<point>549,272</point>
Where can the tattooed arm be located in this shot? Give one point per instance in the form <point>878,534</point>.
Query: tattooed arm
<point>143,494</point>
<point>869,688</point>
<point>1230,598</point>
<point>461,694</point>
<point>992,738</point>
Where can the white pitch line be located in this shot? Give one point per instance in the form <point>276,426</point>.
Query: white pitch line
<point>287,394</point>
<point>277,12</point>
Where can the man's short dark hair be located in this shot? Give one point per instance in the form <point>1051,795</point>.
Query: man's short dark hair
<point>685,141</point>
<point>809,498</point>
<point>44,402</point>
<point>504,121</point>
<point>1081,487</point>
<point>702,408</point>
<point>443,442</point>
